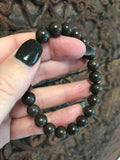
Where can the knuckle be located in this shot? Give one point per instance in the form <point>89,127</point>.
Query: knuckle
<point>6,86</point>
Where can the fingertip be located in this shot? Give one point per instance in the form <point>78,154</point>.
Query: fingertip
<point>13,42</point>
<point>65,116</point>
<point>66,48</point>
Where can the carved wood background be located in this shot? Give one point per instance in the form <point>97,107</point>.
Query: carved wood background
<point>99,21</point>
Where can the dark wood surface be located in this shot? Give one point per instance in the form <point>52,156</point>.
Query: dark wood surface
<point>99,21</point>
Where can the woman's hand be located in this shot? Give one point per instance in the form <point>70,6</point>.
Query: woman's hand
<point>60,55</point>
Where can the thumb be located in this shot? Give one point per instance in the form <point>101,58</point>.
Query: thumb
<point>16,75</point>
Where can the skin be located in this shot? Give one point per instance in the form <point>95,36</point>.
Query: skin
<point>60,55</point>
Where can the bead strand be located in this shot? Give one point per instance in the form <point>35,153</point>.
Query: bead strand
<point>43,35</point>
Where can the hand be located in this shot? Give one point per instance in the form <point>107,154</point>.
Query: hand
<point>59,56</point>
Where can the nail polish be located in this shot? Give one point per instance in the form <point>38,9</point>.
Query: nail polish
<point>29,52</point>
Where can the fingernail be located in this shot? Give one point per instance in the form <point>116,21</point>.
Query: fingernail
<point>90,51</point>
<point>29,52</point>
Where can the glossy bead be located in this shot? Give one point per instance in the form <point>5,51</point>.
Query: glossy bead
<point>93,100</point>
<point>55,29</point>
<point>40,120</point>
<point>66,29</point>
<point>96,88</point>
<point>73,129</point>
<point>61,132</point>
<point>28,98</point>
<point>42,35</point>
<point>93,65</point>
<point>76,34</point>
<point>90,51</point>
<point>33,110</point>
<point>85,40</point>
<point>49,129</point>
<point>82,121</point>
<point>89,111</point>
<point>95,77</point>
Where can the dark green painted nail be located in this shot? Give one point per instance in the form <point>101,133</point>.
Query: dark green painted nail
<point>29,52</point>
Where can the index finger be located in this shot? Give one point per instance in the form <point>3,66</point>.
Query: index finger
<point>58,48</point>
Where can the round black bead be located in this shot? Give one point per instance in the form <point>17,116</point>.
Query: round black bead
<point>33,110</point>
<point>42,35</point>
<point>76,34</point>
<point>73,129</point>
<point>66,29</point>
<point>82,121</point>
<point>49,129</point>
<point>61,132</point>
<point>55,29</point>
<point>40,120</point>
<point>95,76</point>
<point>93,65</point>
<point>89,111</point>
<point>96,88</point>
<point>28,98</point>
<point>90,51</point>
<point>93,100</point>
<point>84,40</point>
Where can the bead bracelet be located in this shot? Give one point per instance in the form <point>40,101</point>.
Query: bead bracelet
<point>43,35</point>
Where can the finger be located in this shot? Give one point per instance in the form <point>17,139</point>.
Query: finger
<point>16,74</point>
<point>60,48</point>
<point>11,43</point>
<point>51,96</point>
<point>51,69</point>
<point>25,126</point>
